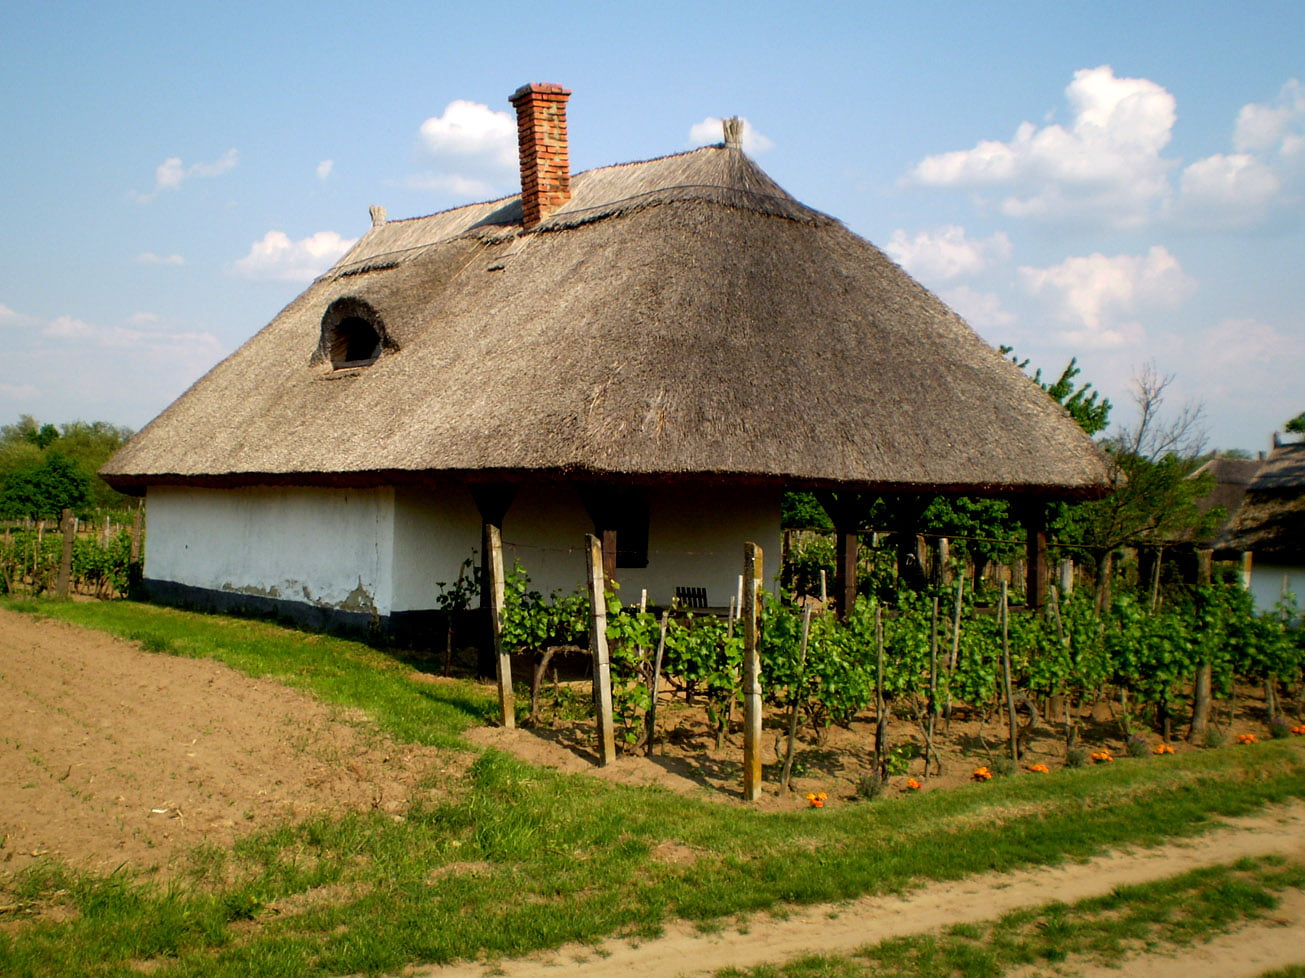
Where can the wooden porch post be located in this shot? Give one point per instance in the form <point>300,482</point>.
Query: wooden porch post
<point>603,504</point>
<point>492,500</point>
<point>844,510</point>
<point>1035,530</point>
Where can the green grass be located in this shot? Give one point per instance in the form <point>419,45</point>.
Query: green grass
<point>1158,917</point>
<point>521,858</point>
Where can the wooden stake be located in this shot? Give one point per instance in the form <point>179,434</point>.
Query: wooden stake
<point>752,577</point>
<point>651,717</point>
<point>493,539</point>
<point>1155,580</point>
<point>881,706</point>
<point>933,694</point>
<point>793,695</point>
<point>1005,672</point>
<point>955,652</point>
<point>68,527</point>
<point>1202,682</point>
<point>598,647</point>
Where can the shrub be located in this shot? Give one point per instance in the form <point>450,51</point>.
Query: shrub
<point>1136,745</point>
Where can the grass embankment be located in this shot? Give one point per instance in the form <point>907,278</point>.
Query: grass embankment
<point>521,858</point>
<point>1112,930</point>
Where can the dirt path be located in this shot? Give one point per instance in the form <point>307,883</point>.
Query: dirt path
<point>845,927</point>
<point>110,755</point>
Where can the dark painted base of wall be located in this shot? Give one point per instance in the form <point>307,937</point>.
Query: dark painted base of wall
<point>410,629</point>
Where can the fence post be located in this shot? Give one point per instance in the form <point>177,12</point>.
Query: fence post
<point>598,647</point>
<point>134,574</point>
<point>752,582</point>
<point>497,595</point>
<point>68,526</point>
<point>1202,683</point>
<point>1067,576</point>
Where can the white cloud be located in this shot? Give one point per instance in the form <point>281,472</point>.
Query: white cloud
<point>72,367</point>
<point>1227,192</point>
<point>982,310</point>
<point>470,150</point>
<point>72,328</point>
<point>1095,296</point>
<point>276,258</point>
<point>171,173</point>
<point>324,169</point>
<point>709,131</point>
<point>18,392</point>
<point>1104,167</point>
<point>946,253</point>
<point>455,184</point>
<point>9,317</point>
<point>150,258</point>
<point>1273,128</point>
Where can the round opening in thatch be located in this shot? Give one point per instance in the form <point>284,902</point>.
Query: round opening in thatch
<point>352,334</point>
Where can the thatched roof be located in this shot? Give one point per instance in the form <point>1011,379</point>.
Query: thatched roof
<point>1230,479</point>
<point>1271,521</point>
<point>678,318</point>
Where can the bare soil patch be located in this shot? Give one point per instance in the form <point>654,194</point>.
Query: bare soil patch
<point>110,755</point>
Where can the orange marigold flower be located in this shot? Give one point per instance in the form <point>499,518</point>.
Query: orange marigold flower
<point>1039,769</point>
<point>1162,749</point>
<point>1299,731</point>
<point>1247,739</point>
<point>816,799</point>
<point>912,784</point>
<point>982,774</point>
<point>1102,757</point>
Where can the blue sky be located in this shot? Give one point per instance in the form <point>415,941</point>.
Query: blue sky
<point>1120,182</point>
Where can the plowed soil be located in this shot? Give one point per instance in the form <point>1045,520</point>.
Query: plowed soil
<point>110,755</point>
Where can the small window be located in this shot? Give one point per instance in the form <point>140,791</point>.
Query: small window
<point>355,343</point>
<point>353,335</point>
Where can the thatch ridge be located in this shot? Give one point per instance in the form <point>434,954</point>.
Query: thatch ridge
<point>1271,520</point>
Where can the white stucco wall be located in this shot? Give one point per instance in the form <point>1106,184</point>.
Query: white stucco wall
<point>435,530</point>
<point>327,547</point>
<point>1266,584</point>
<point>695,539</point>
<point>385,550</point>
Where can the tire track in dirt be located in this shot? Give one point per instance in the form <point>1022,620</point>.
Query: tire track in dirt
<point>842,928</point>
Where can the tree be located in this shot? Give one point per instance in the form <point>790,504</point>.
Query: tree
<point>1085,405</point>
<point>1153,500</point>
<point>27,445</point>
<point>1296,425</point>
<point>45,491</point>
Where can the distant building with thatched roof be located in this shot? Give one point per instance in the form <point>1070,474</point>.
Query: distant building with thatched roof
<point>653,351</point>
<point>1270,525</point>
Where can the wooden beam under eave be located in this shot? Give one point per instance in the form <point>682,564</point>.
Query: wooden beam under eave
<point>1037,574</point>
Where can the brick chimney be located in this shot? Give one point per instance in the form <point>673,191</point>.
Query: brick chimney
<point>541,138</point>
